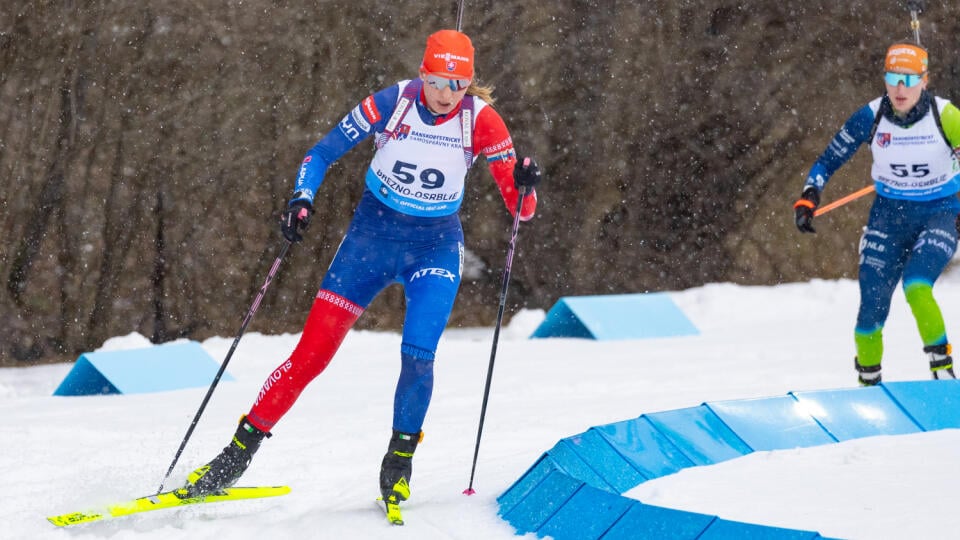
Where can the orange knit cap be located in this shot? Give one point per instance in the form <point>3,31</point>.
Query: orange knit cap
<point>448,54</point>
<point>906,58</point>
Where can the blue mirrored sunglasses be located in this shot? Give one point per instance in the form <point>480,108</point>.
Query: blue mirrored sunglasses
<point>907,79</point>
<point>440,83</point>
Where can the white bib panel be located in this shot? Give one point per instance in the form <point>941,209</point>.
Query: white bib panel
<point>420,171</point>
<point>913,163</point>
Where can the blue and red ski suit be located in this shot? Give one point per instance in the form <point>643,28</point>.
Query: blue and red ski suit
<point>406,229</point>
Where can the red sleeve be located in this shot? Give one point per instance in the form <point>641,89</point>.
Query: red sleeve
<point>491,137</point>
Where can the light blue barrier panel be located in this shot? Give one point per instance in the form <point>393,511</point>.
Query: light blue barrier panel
<point>646,448</point>
<point>700,434</point>
<point>771,423</point>
<point>569,461</point>
<point>616,471</point>
<point>604,509</point>
<point>657,523</point>
<point>722,529</point>
<point>855,413</point>
<point>932,404</point>
<point>541,503</point>
<point>84,379</point>
<point>526,484</point>
<point>561,321</point>
<point>615,316</point>
<point>153,369</point>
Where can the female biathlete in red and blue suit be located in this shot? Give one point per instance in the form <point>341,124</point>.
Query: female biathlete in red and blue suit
<point>912,229</point>
<point>406,229</point>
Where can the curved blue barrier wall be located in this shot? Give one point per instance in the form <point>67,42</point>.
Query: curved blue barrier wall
<point>573,490</point>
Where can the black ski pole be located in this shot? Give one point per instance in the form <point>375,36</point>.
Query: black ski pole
<point>496,333</point>
<point>915,7</point>
<point>223,366</point>
<point>460,16</point>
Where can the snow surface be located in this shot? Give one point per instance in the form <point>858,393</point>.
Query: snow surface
<point>62,454</point>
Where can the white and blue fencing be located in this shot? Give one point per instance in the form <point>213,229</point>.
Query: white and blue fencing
<point>574,490</point>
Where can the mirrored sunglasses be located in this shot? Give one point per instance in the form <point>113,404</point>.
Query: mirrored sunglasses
<point>440,83</point>
<point>908,80</point>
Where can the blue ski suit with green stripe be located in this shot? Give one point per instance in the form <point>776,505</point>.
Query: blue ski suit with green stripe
<point>911,233</point>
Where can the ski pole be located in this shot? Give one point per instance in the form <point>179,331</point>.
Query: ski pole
<point>460,15</point>
<point>223,366</point>
<point>496,333</point>
<point>843,200</point>
<point>915,7</point>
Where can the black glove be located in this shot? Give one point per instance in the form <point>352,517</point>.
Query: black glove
<point>526,175</point>
<point>295,219</point>
<point>804,208</point>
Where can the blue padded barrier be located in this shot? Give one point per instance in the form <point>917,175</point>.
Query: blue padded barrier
<point>700,434</point>
<point>649,451</point>
<point>615,316</point>
<point>171,366</point>
<point>540,504</point>
<point>931,406</point>
<point>575,464</point>
<point>647,521</point>
<point>722,529</point>
<point>605,461</point>
<point>571,492</point>
<point>771,423</point>
<point>603,507</point>
<point>852,415</point>
<point>561,321</point>
<point>526,484</point>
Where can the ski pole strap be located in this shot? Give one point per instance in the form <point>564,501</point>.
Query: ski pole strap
<point>407,99</point>
<point>881,110</point>
<point>466,124</point>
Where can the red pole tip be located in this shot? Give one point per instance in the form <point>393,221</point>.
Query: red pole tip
<point>469,491</point>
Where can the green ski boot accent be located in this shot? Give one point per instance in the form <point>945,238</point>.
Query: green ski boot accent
<point>397,467</point>
<point>941,363</point>
<point>225,469</point>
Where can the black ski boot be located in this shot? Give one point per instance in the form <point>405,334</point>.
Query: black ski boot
<point>226,468</point>
<point>868,375</point>
<point>397,466</point>
<point>941,363</point>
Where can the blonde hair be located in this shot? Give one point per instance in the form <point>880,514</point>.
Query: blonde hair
<point>483,92</point>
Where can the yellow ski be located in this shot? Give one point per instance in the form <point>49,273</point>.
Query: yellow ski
<point>167,499</point>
